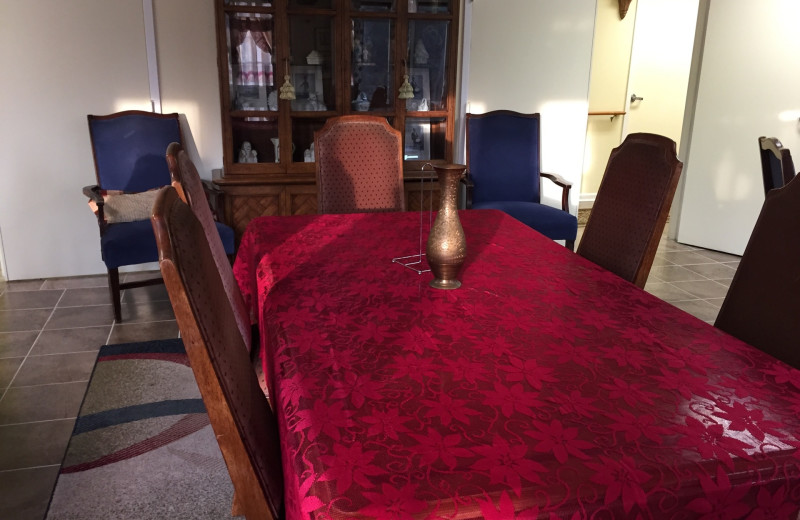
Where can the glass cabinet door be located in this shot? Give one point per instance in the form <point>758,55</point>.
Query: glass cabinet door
<point>429,6</point>
<point>372,64</point>
<point>312,63</point>
<point>427,58</point>
<point>250,61</point>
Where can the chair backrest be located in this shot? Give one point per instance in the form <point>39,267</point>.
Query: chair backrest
<point>189,186</point>
<point>128,149</point>
<point>632,206</point>
<point>503,156</point>
<point>777,167</point>
<point>762,305</point>
<point>240,415</point>
<point>359,165</point>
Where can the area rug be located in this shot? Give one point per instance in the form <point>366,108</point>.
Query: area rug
<point>142,447</point>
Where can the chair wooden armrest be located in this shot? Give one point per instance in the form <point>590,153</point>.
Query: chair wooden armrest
<point>467,182</point>
<point>93,193</point>
<point>216,199</point>
<point>565,187</point>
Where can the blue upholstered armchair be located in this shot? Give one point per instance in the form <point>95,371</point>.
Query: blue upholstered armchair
<point>129,155</point>
<point>504,170</point>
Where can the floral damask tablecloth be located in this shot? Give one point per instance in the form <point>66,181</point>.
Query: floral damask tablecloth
<point>545,387</point>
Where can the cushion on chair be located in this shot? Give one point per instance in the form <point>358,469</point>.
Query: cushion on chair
<point>128,243</point>
<point>552,222</point>
<point>120,206</point>
<point>226,235</point>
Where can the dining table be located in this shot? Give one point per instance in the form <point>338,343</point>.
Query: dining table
<point>543,387</point>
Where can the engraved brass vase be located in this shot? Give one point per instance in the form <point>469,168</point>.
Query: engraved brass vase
<point>447,246</point>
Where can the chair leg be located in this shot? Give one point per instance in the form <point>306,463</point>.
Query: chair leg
<point>570,244</point>
<point>113,285</point>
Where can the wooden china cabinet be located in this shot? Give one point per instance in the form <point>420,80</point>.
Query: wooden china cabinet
<point>341,57</point>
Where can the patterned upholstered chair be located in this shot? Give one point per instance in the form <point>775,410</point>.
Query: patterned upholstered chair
<point>128,149</point>
<point>359,165</point>
<point>777,167</point>
<point>763,302</point>
<point>504,172</point>
<point>632,206</point>
<point>189,185</point>
<point>243,422</point>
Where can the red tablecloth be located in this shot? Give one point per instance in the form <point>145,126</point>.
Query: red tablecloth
<point>543,387</point>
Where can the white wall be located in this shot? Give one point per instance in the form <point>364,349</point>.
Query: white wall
<point>60,62</point>
<point>535,56</point>
<point>747,87</point>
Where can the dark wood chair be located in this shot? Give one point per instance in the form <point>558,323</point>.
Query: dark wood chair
<point>243,422</point>
<point>762,305</point>
<point>359,161</point>
<point>504,172</point>
<point>191,190</point>
<point>777,167</point>
<point>128,149</point>
<point>632,206</point>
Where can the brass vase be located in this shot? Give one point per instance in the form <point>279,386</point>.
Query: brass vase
<point>447,246</point>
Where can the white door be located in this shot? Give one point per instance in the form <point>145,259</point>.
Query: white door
<point>748,87</point>
<point>661,56</point>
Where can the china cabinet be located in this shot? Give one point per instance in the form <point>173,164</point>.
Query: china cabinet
<point>340,57</point>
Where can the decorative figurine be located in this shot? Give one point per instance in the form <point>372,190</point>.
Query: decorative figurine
<point>247,154</point>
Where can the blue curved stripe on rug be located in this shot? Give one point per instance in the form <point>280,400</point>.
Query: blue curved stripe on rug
<point>137,412</point>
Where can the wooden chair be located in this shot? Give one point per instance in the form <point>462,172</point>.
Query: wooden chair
<point>359,165</point>
<point>128,149</point>
<point>504,172</point>
<point>777,167</point>
<point>189,185</point>
<point>762,305</point>
<point>632,206</point>
<point>240,415</point>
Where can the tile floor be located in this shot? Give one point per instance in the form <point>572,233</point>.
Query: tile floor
<point>50,331</point>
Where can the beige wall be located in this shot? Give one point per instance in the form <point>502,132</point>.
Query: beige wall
<point>87,57</point>
<point>611,57</point>
<point>534,56</point>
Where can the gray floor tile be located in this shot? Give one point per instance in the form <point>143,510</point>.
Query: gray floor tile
<point>72,317</point>
<point>24,285</point>
<point>71,340</point>
<point>140,275</point>
<point>85,296</point>
<point>674,273</point>
<point>14,344</point>
<point>151,293</point>
<point>719,256</point>
<point>25,493</point>
<point>76,282</point>
<point>8,367</point>
<point>661,260</point>
<point>131,332</point>
<point>28,404</point>
<point>667,291</point>
<point>703,289</point>
<point>713,271</point>
<point>716,302</point>
<point>700,309</point>
<point>15,321</point>
<point>685,257</point>
<point>35,444</point>
<point>141,312</point>
<point>30,300</point>
<point>55,368</point>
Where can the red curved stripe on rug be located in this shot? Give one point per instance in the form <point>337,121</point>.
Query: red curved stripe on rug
<point>184,427</point>
<point>181,358</point>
